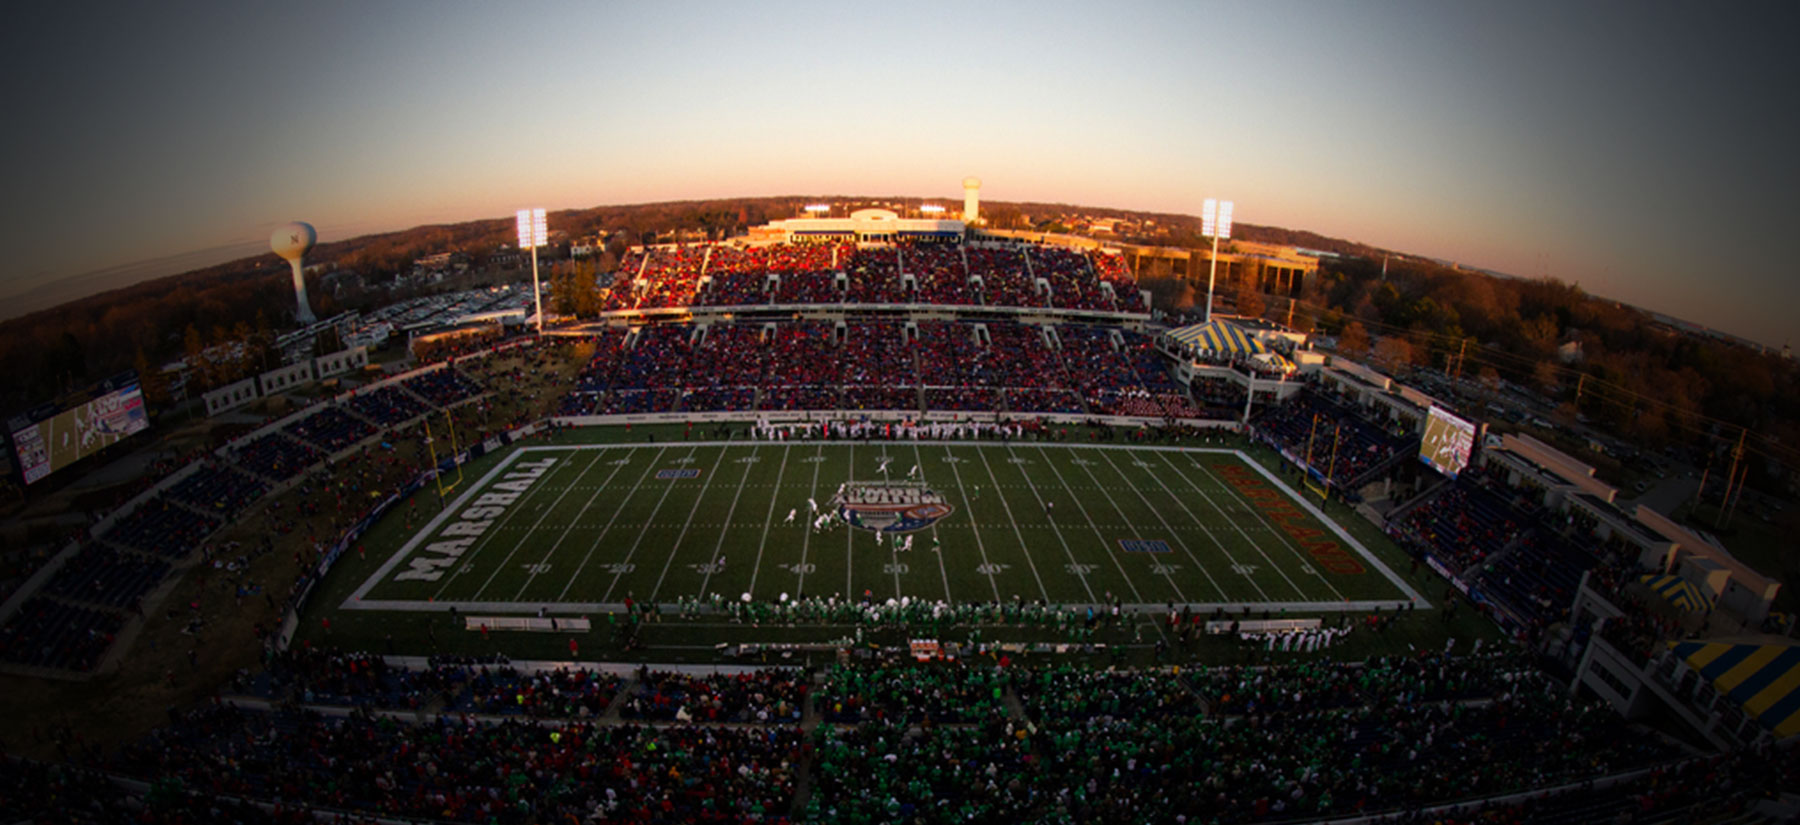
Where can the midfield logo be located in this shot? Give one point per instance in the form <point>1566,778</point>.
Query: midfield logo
<point>890,506</point>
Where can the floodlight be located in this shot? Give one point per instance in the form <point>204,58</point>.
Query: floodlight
<point>818,207</point>
<point>533,229</point>
<point>1215,221</point>
<point>932,208</point>
<point>533,233</point>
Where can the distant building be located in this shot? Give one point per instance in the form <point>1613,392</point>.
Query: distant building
<point>442,262</point>
<point>863,226</point>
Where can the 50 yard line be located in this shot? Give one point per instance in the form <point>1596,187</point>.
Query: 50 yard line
<point>1176,535</point>
<point>676,547</point>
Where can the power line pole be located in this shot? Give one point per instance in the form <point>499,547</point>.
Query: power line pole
<point>1731,511</point>
<point>1737,453</point>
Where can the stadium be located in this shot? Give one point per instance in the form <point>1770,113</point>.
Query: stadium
<point>880,518</point>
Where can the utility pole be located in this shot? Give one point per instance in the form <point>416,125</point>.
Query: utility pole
<point>1459,357</point>
<point>1736,454</point>
<point>1700,493</point>
<point>1742,478</point>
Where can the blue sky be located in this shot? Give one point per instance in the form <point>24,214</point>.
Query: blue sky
<point>1630,147</point>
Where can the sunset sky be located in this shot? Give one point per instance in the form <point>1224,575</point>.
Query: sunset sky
<point>1643,150</point>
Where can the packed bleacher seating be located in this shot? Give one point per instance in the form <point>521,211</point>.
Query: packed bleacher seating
<point>1135,747</point>
<point>386,406</point>
<point>807,273</point>
<point>765,696</point>
<point>1080,693</point>
<point>1005,276</point>
<point>457,771</point>
<point>41,792</point>
<point>330,429</point>
<point>739,277</point>
<point>1463,525</point>
<point>808,288</point>
<point>940,271</point>
<point>802,371</point>
<point>945,365</point>
<point>276,456</point>
<point>912,695</point>
<point>874,276</point>
<point>672,276</point>
<point>1110,268</point>
<point>1073,284</point>
<point>565,693</point>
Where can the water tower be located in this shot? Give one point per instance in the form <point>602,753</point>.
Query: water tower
<point>292,241</point>
<point>971,200</point>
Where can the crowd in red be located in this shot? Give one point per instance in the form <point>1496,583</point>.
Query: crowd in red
<point>808,273</point>
<point>877,365</point>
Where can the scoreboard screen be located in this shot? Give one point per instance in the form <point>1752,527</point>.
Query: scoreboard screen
<point>1448,442</point>
<point>55,442</point>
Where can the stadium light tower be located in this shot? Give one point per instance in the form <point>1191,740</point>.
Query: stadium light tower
<point>817,209</point>
<point>533,232</point>
<point>932,209</point>
<point>1215,220</point>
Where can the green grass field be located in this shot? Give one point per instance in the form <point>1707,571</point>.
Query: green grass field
<point>581,528</point>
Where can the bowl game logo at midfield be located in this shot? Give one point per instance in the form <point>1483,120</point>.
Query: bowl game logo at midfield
<point>890,506</point>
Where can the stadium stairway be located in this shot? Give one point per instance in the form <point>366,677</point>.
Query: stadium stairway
<point>1419,500</point>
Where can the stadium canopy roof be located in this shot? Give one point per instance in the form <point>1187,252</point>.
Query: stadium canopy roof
<point>1763,679</point>
<point>1217,336</point>
<point>1679,592</point>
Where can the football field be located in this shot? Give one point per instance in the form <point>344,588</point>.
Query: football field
<point>581,528</point>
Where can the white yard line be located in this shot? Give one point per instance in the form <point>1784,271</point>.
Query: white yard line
<point>1020,534</point>
<point>1417,600</point>
<point>812,493</point>
<point>649,520</point>
<point>1177,536</point>
<point>718,548</point>
<point>1106,544</point>
<point>1053,528</point>
<point>979,545</point>
<point>850,538</point>
<point>675,549</point>
<point>429,529</point>
<point>570,527</point>
<point>623,500</point>
<point>532,530</point>
<point>466,561</point>
<point>892,542</point>
<point>1240,530</point>
<point>767,520</point>
<point>919,457</point>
